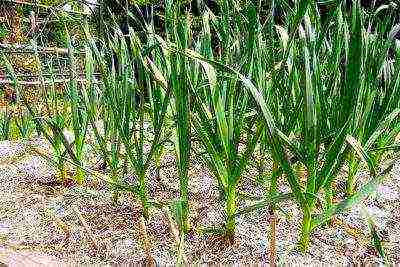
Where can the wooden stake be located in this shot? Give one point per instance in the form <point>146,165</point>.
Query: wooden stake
<point>87,229</point>
<point>179,240</point>
<point>273,223</point>
<point>146,243</point>
<point>272,248</point>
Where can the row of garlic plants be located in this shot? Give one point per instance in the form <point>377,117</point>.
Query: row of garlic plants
<point>317,92</point>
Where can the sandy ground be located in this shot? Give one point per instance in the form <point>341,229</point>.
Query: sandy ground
<point>41,222</point>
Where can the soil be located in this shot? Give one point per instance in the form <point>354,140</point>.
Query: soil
<point>43,222</point>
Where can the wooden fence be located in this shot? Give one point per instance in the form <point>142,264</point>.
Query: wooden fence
<point>60,53</point>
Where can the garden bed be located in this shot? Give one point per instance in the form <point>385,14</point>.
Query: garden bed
<point>41,221</point>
